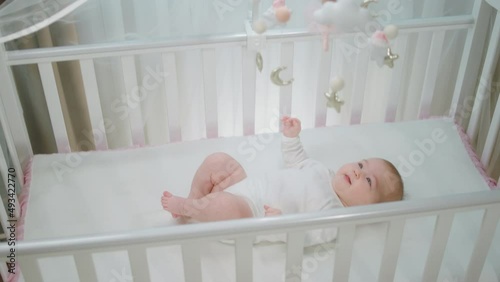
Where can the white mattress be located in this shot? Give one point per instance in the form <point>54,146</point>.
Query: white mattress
<point>120,190</point>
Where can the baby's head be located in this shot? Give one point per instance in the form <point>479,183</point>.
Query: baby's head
<point>368,181</point>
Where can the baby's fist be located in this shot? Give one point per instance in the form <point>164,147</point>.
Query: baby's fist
<point>291,126</point>
<point>268,211</point>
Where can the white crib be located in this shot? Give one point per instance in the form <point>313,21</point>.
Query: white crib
<point>16,154</point>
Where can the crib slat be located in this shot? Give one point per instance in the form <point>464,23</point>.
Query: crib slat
<point>483,242</point>
<point>54,107</point>
<point>419,63</point>
<point>484,90</point>
<point>416,70</point>
<point>248,84</point>
<point>94,104</point>
<point>431,73</point>
<point>344,253</point>
<point>135,94</point>
<point>191,261</point>
<point>244,259</point>
<point>85,266</point>
<point>470,62</point>
<point>172,92</point>
<point>358,91</point>
<point>391,250</point>
<point>210,85</point>
<point>325,65</point>
<point>11,147</point>
<point>294,254</point>
<point>438,246</point>
<point>286,91</point>
<point>30,269</point>
<point>139,263</point>
<point>12,120</point>
<point>397,81</point>
<point>491,138</point>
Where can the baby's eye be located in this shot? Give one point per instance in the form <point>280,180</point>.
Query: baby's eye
<point>369,181</point>
<point>360,165</point>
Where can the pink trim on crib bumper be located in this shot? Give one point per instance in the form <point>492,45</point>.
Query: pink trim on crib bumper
<point>23,204</point>
<point>474,157</point>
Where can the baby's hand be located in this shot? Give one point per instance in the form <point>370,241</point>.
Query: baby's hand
<point>271,211</point>
<point>291,126</point>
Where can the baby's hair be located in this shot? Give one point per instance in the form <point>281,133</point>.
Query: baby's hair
<point>394,179</point>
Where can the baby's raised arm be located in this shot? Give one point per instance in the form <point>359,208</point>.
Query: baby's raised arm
<point>291,126</point>
<point>291,147</point>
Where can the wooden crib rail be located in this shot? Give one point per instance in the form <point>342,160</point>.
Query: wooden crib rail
<point>167,52</point>
<point>483,94</point>
<point>396,214</point>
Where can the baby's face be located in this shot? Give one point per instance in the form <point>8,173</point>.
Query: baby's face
<point>362,182</point>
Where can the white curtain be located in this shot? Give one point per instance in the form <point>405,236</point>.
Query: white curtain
<point>20,18</point>
<point>104,21</point>
<point>117,21</point>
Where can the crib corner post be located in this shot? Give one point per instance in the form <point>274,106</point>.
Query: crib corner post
<point>12,124</point>
<point>12,119</point>
<point>469,70</point>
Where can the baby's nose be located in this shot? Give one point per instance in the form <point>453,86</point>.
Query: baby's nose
<point>358,173</point>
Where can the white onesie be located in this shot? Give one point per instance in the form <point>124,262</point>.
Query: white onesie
<point>304,186</point>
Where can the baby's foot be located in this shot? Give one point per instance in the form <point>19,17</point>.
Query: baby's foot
<point>173,204</point>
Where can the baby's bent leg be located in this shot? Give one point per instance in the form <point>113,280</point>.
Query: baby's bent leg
<point>217,172</point>
<point>213,207</point>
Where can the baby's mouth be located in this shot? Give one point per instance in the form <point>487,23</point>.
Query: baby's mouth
<point>347,179</point>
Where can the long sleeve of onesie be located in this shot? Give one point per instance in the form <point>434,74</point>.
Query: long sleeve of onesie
<point>318,195</point>
<point>303,186</point>
<point>293,152</point>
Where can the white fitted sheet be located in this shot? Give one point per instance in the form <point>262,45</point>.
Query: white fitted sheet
<point>74,195</point>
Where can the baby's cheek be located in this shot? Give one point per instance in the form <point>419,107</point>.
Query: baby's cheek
<point>376,197</point>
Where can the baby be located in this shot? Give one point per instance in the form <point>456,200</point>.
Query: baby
<point>221,190</point>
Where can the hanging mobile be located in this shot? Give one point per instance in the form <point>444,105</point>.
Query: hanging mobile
<point>277,14</point>
<point>276,79</point>
<point>341,16</point>
<point>381,51</point>
<point>333,98</point>
<point>390,58</point>
<point>259,61</point>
